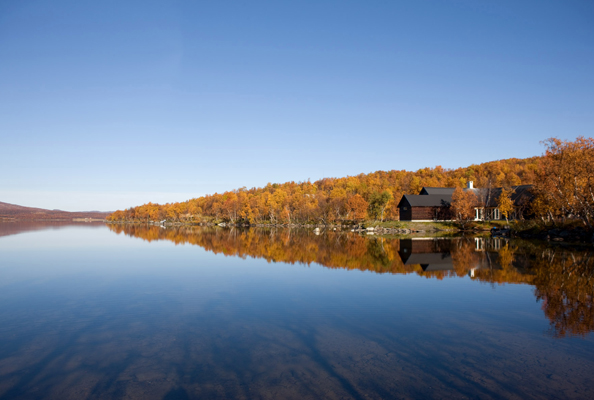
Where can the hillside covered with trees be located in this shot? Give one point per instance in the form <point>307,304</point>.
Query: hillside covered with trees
<point>15,212</point>
<point>331,200</point>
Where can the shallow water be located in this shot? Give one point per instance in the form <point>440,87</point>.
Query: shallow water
<point>89,311</point>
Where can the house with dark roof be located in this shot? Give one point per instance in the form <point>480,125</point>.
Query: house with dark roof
<point>488,207</point>
<point>425,207</point>
<point>434,203</point>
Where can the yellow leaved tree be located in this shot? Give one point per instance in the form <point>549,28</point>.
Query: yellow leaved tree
<point>505,203</point>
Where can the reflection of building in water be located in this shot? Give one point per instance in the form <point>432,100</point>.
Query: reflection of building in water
<point>432,261</point>
<point>479,244</point>
<point>430,253</point>
<point>436,254</point>
<point>489,244</point>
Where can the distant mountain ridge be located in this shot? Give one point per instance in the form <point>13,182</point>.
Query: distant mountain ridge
<point>14,211</point>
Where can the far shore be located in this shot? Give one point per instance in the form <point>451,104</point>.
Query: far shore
<point>8,219</point>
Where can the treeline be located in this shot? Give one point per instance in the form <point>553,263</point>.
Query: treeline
<point>331,200</point>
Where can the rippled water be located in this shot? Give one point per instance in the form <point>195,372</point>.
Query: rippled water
<point>95,312</point>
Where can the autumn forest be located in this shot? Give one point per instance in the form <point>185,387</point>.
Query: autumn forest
<point>562,178</point>
<point>331,200</point>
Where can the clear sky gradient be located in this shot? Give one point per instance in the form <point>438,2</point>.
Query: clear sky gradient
<point>111,104</point>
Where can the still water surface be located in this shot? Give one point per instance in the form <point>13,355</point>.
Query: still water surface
<point>128,312</point>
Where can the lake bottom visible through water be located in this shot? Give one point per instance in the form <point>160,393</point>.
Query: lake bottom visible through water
<point>93,312</point>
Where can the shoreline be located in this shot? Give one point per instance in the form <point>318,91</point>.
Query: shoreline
<point>369,228</point>
<point>544,233</point>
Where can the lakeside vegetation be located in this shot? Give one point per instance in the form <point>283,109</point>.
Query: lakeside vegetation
<point>351,199</point>
<point>562,179</point>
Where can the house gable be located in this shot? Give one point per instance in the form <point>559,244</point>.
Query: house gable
<point>436,190</point>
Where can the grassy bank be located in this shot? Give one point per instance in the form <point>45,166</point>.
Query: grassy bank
<point>415,226</point>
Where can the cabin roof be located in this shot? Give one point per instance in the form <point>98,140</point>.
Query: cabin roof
<point>437,190</point>
<point>425,200</point>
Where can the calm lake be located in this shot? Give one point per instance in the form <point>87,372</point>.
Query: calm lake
<point>91,311</point>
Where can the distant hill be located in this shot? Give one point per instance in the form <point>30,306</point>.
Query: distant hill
<point>13,211</point>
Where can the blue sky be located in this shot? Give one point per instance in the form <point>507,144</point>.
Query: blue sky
<point>111,104</point>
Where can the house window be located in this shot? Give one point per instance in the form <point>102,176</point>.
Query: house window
<point>496,213</point>
<point>404,208</point>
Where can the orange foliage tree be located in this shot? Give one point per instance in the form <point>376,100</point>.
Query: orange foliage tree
<point>463,203</point>
<point>565,184</point>
<point>358,207</point>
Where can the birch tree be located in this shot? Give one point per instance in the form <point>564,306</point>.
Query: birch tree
<point>565,184</point>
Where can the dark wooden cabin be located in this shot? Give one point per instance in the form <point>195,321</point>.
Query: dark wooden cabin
<point>425,207</point>
<point>433,203</point>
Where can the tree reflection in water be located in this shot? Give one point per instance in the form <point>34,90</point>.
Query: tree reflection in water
<point>562,277</point>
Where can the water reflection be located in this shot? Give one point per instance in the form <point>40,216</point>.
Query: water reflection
<point>88,314</point>
<point>14,227</point>
<point>563,278</point>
